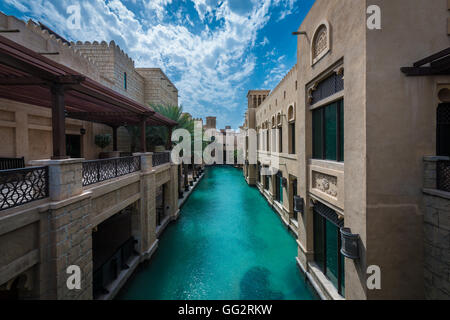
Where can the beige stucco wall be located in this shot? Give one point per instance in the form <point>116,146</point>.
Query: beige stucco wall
<point>40,240</point>
<point>158,89</point>
<point>347,28</point>
<point>411,30</point>
<point>390,122</point>
<point>283,97</point>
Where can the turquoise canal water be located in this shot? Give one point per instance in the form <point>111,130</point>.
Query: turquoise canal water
<point>227,245</point>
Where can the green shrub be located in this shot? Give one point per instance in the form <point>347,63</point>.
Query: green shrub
<point>103,140</point>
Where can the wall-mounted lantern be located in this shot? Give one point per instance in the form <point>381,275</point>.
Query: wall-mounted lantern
<point>284,182</point>
<point>350,244</point>
<point>82,131</point>
<point>299,204</point>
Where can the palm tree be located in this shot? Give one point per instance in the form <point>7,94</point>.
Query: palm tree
<point>160,135</point>
<point>157,136</point>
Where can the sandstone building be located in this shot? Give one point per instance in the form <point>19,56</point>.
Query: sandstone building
<point>360,129</point>
<point>55,98</point>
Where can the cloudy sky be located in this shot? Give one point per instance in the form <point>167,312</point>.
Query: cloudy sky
<point>213,50</point>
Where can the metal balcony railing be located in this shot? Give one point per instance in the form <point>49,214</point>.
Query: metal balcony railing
<point>160,158</point>
<point>12,163</point>
<point>21,186</point>
<point>101,170</point>
<point>443,175</point>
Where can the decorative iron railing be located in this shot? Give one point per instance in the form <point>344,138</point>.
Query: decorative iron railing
<point>160,158</point>
<point>101,170</point>
<point>443,175</point>
<point>12,163</point>
<point>21,186</point>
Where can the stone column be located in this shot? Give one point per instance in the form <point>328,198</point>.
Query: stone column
<point>180,182</point>
<point>186,177</point>
<point>146,234</point>
<point>430,175</point>
<point>68,241</point>
<point>174,191</point>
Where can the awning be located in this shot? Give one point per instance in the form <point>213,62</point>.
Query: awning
<point>28,77</point>
<point>436,64</point>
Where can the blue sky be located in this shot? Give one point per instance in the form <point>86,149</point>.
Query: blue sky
<point>213,50</point>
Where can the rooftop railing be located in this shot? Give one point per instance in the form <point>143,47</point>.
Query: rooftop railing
<point>102,170</point>
<point>21,186</point>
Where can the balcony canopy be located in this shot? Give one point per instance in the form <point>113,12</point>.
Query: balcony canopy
<point>436,64</point>
<point>29,77</point>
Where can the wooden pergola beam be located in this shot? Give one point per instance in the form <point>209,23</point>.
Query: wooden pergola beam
<point>58,122</point>
<point>433,57</point>
<point>32,81</point>
<point>425,71</point>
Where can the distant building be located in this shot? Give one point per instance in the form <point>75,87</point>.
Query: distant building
<point>211,123</point>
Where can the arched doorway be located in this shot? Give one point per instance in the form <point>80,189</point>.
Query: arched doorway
<point>443,130</point>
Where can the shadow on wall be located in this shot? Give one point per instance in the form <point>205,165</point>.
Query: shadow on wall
<point>255,285</point>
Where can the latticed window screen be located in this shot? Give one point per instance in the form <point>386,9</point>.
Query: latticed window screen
<point>292,136</point>
<point>279,187</point>
<point>331,85</point>
<point>443,175</point>
<point>443,130</point>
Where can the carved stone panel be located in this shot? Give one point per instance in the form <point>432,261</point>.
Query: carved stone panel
<point>325,183</point>
<point>320,41</point>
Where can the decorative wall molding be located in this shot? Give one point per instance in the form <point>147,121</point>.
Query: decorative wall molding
<point>325,183</point>
<point>321,43</point>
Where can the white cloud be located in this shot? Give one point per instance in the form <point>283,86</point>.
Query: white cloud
<point>157,6</point>
<point>209,67</point>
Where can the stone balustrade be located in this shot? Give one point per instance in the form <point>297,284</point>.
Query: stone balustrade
<point>436,232</point>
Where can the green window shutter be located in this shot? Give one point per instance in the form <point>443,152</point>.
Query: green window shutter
<point>292,135</point>
<point>280,181</point>
<point>332,250</point>
<point>331,132</point>
<point>281,139</point>
<point>319,247</point>
<point>317,134</point>
<point>341,133</point>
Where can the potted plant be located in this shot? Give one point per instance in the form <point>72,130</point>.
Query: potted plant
<point>103,141</point>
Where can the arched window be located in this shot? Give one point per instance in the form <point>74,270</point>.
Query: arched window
<point>443,130</point>
<point>292,132</point>
<point>321,42</point>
